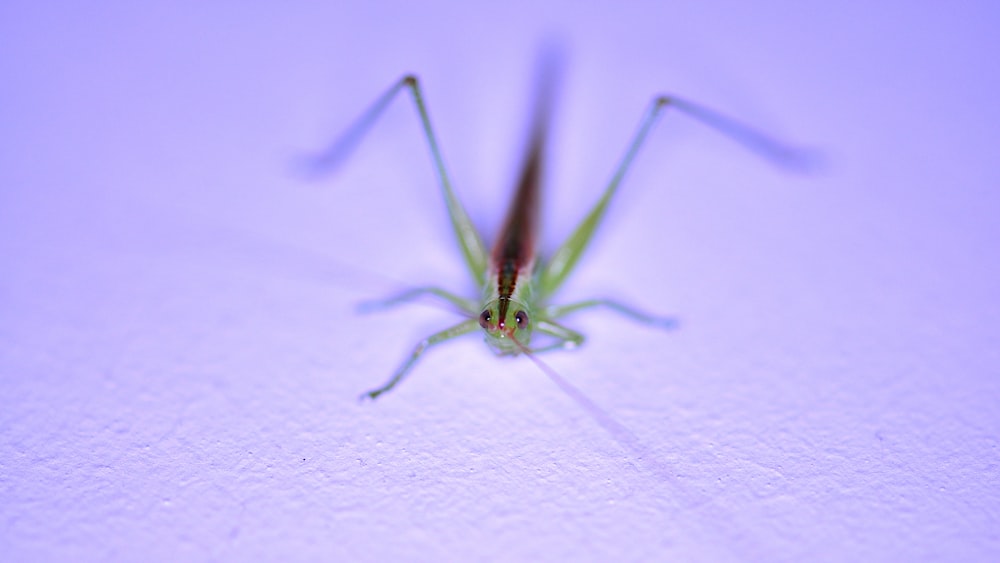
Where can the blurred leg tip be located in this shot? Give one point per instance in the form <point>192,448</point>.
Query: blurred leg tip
<point>669,323</point>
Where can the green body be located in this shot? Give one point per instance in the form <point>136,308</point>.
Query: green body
<point>516,286</point>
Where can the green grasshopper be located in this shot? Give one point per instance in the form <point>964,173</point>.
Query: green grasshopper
<point>516,285</point>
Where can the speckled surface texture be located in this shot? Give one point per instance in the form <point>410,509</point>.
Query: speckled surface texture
<point>180,357</point>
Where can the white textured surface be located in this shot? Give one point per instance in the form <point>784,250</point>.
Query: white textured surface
<point>179,359</point>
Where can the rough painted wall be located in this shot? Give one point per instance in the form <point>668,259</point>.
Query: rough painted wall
<point>180,356</point>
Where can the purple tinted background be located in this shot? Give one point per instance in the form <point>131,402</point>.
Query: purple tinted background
<point>179,357</point>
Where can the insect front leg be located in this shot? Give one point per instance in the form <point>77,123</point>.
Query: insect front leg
<point>461,328</point>
<point>566,338</point>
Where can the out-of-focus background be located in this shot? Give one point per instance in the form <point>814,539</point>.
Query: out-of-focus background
<point>180,356</point>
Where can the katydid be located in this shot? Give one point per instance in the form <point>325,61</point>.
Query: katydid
<point>517,287</point>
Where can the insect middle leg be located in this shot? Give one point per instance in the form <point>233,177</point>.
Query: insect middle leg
<point>667,323</point>
<point>465,305</point>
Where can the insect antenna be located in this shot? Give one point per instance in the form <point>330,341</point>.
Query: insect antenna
<point>618,431</point>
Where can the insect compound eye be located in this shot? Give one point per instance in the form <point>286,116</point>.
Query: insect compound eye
<point>521,318</point>
<point>484,319</point>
